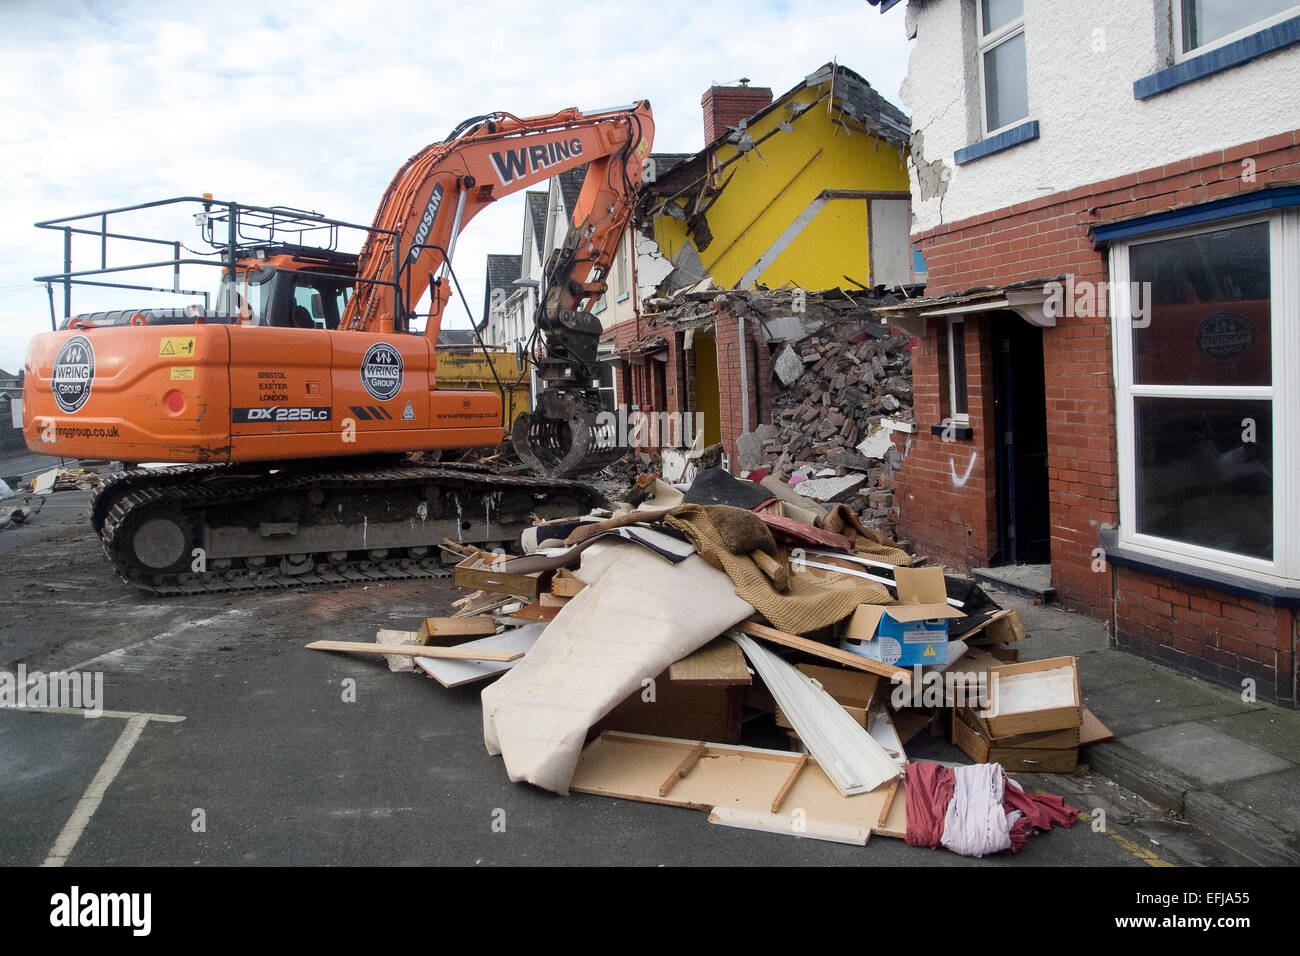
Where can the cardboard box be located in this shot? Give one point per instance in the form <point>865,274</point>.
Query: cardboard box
<point>913,630</point>
<point>1034,697</point>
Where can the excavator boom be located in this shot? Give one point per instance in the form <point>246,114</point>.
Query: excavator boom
<point>441,188</point>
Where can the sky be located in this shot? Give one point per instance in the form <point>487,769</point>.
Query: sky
<point>316,105</point>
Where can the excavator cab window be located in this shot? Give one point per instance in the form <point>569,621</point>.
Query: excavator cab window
<point>249,293</point>
<point>318,303</point>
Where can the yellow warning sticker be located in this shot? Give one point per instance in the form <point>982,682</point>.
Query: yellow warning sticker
<point>929,651</point>
<point>182,373</point>
<point>176,346</point>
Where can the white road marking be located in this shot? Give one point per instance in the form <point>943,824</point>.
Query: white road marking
<point>108,771</point>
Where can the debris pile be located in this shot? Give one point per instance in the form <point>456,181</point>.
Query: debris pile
<point>720,647</point>
<point>835,388</point>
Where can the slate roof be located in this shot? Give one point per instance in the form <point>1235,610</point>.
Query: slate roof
<point>502,271</point>
<point>537,210</point>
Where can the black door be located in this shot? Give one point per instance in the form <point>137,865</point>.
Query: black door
<point>1020,406</point>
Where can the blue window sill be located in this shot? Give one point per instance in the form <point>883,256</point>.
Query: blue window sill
<point>1205,576</point>
<point>1275,38</point>
<point>601,307</point>
<point>622,297</point>
<point>995,144</point>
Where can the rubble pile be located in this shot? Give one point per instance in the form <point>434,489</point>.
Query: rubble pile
<point>803,654</point>
<point>834,388</point>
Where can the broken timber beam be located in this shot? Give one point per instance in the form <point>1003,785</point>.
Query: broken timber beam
<point>817,649</point>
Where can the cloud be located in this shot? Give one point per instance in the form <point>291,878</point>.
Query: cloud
<point>316,105</point>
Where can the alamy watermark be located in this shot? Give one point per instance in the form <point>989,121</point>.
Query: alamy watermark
<point>634,428</point>
<point>949,689</point>
<point>72,690</point>
<point>1084,298</point>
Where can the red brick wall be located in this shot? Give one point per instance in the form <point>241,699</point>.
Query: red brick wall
<point>1220,637</point>
<point>1045,237</point>
<point>954,524</point>
<point>731,396</point>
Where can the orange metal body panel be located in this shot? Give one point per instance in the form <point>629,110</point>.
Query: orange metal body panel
<point>201,393</point>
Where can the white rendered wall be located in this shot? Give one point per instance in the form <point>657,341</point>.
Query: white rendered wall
<point>1083,58</point>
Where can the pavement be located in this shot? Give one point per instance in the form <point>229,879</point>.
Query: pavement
<point>1225,764</point>
<point>227,743</point>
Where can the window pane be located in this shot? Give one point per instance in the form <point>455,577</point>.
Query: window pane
<point>1006,87</point>
<point>1208,304</point>
<point>958,362</point>
<point>998,13</point>
<point>1205,21</point>
<point>1205,472</point>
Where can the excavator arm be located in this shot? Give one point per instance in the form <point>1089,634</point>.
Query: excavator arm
<point>440,189</point>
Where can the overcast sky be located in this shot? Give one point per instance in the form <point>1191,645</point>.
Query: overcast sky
<point>316,105</point>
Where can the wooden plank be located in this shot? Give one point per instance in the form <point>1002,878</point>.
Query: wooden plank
<point>720,662</point>
<point>434,630</point>
<point>789,784</point>
<point>682,769</point>
<point>894,821</point>
<point>455,673</point>
<point>415,650</point>
<point>825,651</point>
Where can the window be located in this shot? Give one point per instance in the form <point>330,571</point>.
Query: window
<point>1201,25</point>
<point>1203,337</point>
<point>956,372</point>
<point>1004,80</point>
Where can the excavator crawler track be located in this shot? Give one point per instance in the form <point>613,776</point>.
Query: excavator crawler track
<point>197,529</point>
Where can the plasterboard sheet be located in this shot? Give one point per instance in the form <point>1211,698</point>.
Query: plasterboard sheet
<point>451,673</point>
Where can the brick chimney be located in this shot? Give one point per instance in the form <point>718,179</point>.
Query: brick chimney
<point>727,105</point>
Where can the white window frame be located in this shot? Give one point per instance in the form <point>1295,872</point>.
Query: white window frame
<point>1284,393</point>
<point>1176,8</point>
<point>986,43</point>
<point>959,418</point>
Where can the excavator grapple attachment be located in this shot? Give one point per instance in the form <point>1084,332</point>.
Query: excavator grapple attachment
<point>564,436</point>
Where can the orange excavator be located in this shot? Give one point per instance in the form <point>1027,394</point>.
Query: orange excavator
<point>291,404</point>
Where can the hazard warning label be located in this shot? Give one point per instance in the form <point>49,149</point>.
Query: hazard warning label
<point>176,346</point>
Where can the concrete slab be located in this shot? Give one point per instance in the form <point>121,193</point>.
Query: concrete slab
<point>1029,580</point>
<point>1204,754</point>
<point>1274,796</point>
<point>1271,728</point>
<point>1129,704</point>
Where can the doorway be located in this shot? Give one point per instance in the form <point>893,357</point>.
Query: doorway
<point>707,401</point>
<point>1020,419</point>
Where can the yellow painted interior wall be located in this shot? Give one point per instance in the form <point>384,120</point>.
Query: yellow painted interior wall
<point>707,398</point>
<point>831,246</point>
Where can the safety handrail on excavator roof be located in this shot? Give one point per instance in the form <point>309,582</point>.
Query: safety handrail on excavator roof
<point>241,219</point>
